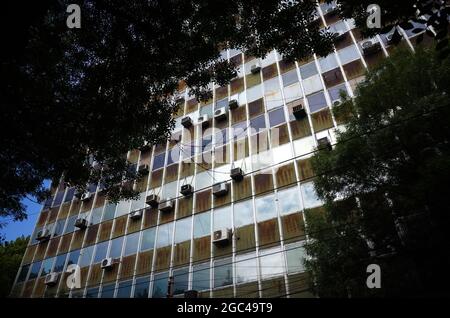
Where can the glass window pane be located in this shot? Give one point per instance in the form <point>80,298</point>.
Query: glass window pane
<point>243,213</point>
<point>160,285</point>
<point>35,267</point>
<point>100,252</point>
<point>124,289</point>
<point>59,227</point>
<point>158,161</point>
<point>110,210</point>
<point>271,262</point>
<point>70,227</point>
<point>131,244</point>
<point>47,266</point>
<point>23,273</point>
<point>292,92</point>
<point>223,272</point>
<point>295,255</point>
<point>108,291</point>
<point>73,257</point>
<point>328,63</point>
<point>308,70</point>
<point>317,102</point>
<point>116,247</point>
<point>96,215</point>
<point>276,117</point>
<point>272,93</point>
<point>265,207</point>
<point>86,256</point>
<point>203,180</point>
<point>141,287</point>
<point>202,224</point>
<point>348,54</point>
<point>183,230</point>
<point>59,264</point>
<point>200,278</point>
<point>289,201</point>
<point>290,77</point>
<point>257,124</point>
<point>254,93</point>
<point>222,218</point>
<point>246,268</point>
<point>180,280</point>
<point>312,84</point>
<point>310,199</point>
<point>164,235</point>
<point>335,92</point>
<point>207,110</point>
<point>148,239</point>
<point>92,293</point>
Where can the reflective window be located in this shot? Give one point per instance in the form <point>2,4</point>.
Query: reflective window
<point>276,117</point>
<point>239,130</point>
<point>124,289</point>
<point>222,218</point>
<point>174,155</point>
<point>86,256</point>
<point>223,272</point>
<point>59,264</point>
<point>116,247</point>
<point>73,257</point>
<point>328,63</point>
<point>158,161</point>
<point>335,92</point>
<point>265,207</point>
<point>131,244</point>
<point>110,211</point>
<point>100,252</point>
<point>170,190</point>
<point>96,215</point>
<point>289,201</point>
<point>312,84</point>
<point>35,267</point>
<point>180,280</point>
<point>108,291</point>
<point>141,287</point>
<point>223,103</point>
<point>292,92</point>
<point>23,273</point>
<point>257,123</point>
<point>202,224</point>
<point>70,227</point>
<point>207,110</point>
<point>310,199</point>
<point>139,203</point>
<point>203,180</point>
<point>148,239</point>
<point>200,277</point>
<point>308,70</point>
<point>295,255</point>
<point>290,77</point>
<point>317,102</point>
<point>164,235</point>
<point>243,213</point>
<point>271,262</point>
<point>246,268</point>
<point>254,93</point>
<point>92,293</point>
<point>160,285</point>
<point>123,207</point>
<point>47,266</point>
<point>183,230</point>
<point>59,227</point>
<point>348,54</point>
<point>272,93</point>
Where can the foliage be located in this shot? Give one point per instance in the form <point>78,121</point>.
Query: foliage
<point>11,254</point>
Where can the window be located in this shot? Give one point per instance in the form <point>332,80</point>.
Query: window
<point>100,252</point>
<point>290,77</point>
<point>131,244</point>
<point>308,70</point>
<point>328,63</point>
<point>254,93</point>
<point>265,207</point>
<point>281,153</point>
<point>292,92</point>
<point>183,230</point>
<point>239,130</point>
<point>202,224</point>
<point>223,272</point>
<point>243,213</point>
<point>335,92</point>
<point>47,266</point>
<point>110,211</point>
<point>222,103</point>
<point>35,267</point>
<point>92,293</point>
<point>73,257</point>
<point>317,102</point>
<point>174,155</point>
<point>310,199</point>
<point>312,84</point>
<point>271,262</point>
<point>124,289</point>
<point>164,235</point>
<point>158,161</point>
<point>257,123</point>
<point>33,237</point>
<point>59,263</point>
<point>96,215</point>
<point>23,273</point>
<point>141,287</point>
<point>222,218</point>
<point>70,227</point>
<point>170,190</point>
<point>108,291</point>
<point>295,255</point>
<point>200,277</point>
<point>123,208</point>
<point>203,180</point>
<point>221,137</point>
<point>86,256</point>
<point>180,280</point>
<point>59,227</point>
<point>116,247</point>
<point>289,201</point>
<point>148,239</point>
<point>139,203</point>
<point>207,110</point>
<point>272,93</point>
<point>160,285</point>
<point>276,117</point>
<point>348,54</point>
<point>246,268</point>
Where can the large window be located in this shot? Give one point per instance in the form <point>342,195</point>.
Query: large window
<point>223,272</point>
<point>160,285</point>
<point>308,70</point>
<point>131,244</point>
<point>203,180</point>
<point>170,190</point>
<point>59,227</point>
<point>310,199</point>
<point>164,235</point>
<point>124,289</point>
<point>295,255</point>
<point>348,54</point>
<point>148,239</point>
<point>246,268</point>
<point>35,270</point>
<point>243,213</point>
<point>289,201</point>
<point>47,266</point>
<point>23,273</point>
<point>222,218</point>
<point>86,256</point>
<point>73,257</point>
<point>335,92</point>
<point>110,211</point>
<point>108,291</point>
<point>180,280</point>
<point>271,262</point>
<point>116,247</point>
<point>258,123</point>
<point>96,215</point>
<point>59,264</point>
<point>265,207</point>
<point>183,230</point>
<point>272,93</point>
<point>70,227</point>
<point>158,161</point>
<point>276,117</point>
<point>141,287</point>
<point>290,77</point>
<point>254,93</point>
<point>200,277</point>
<point>100,252</point>
<point>202,224</point>
<point>328,63</point>
<point>317,102</point>
<point>92,293</point>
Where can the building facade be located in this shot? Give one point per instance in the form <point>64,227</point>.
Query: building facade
<point>237,234</point>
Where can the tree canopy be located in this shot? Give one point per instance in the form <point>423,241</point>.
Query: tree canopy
<point>385,184</point>
<point>11,253</point>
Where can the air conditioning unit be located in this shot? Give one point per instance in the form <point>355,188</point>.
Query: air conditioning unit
<point>152,200</point>
<point>220,113</point>
<point>143,168</point>
<point>222,236</point>
<point>186,189</point>
<point>233,104</point>
<point>237,174</point>
<point>43,235</point>
<point>220,189</point>
<point>390,36</point>
<point>203,120</point>
<point>370,47</point>
<point>107,263</point>
<point>337,103</point>
<point>186,122</point>
<point>299,111</point>
<point>136,215</point>
<point>86,196</point>
<point>51,279</point>
<point>191,294</point>
<point>324,143</point>
<point>255,68</point>
<point>81,223</point>
<point>166,206</point>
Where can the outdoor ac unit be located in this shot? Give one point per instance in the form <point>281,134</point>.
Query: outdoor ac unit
<point>233,104</point>
<point>299,111</point>
<point>43,235</point>
<point>191,294</point>
<point>143,168</point>
<point>51,279</point>
<point>186,189</point>
<point>220,189</point>
<point>203,120</point>
<point>370,47</point>
<point>166,206</point>
<point>107,263</point>
<point>222,236</point>
<point>324,143</point>
<point>337,103</point>
<point>237,174</point>
<point>220,113</point>
<point>390,36</point>
<point>86,196</point>
<point>81,223</point>
<point>135,215</point>
<point>186,122</point>
<point>255,68</point>
<point>152,200</point>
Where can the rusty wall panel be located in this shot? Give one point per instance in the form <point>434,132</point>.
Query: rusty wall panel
<point>42,218</point>
<point>223,293</point>
<point>286,66</point>
<point>253,80</point>
<point>344,41</point>
<point>191,105</point>
<point>354,69</point>
<point>150,217</point>
<point>293,227</point>
<point>99,201</point>
<point>53,247</point>
<point>202,248</point>
<point>222,200</point>
<point>105,230</point>
<point>156,178</point>
<point>171,173</point>
<point>256,108</point>
<point>145,156</point>
<point>285,175</point>
<point>238,114</point>
<point>40,288</point>
<point>270,71</point>
<point>259,142</point>
<point>110,274</point>
<point>322,120</point>
<point>91,234</point>
<point>245,238</point>
<point>144,264</point>
<point>281,136</point>
<point>52,215</point>
<point>134,225</point>
<point>181,253</point>
<point>300,128</point>
<point>77,240</point>
<point>119,226</point>
<point>184,207</point>
<point>95,275</point>
<point>64,212</point>
<point>305,169</point>
<point>241,148</point>
<point>263,182</point>
<point>162,258</point>
<point>40,252</point>
<point>268,233</point>
<point>84,271</point>
<point>87,205</point>
<point>187,169</point>
<point>127,268</point>
<point>141,184</point>
<point>242,189</point>
<point>203,201</point>
<point>236,86</point>
<point>65,243</point>
<point>300,285</point>
<point>221,156</point>
<point>273,288</point>
<point>29,285</point>
<point>333,77</point>
<point>221,92</point>
<point>166,217</point>
<point>75,207</point>
<point>29,254</point>
<point>222,250</point>
<point>249,290</point>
